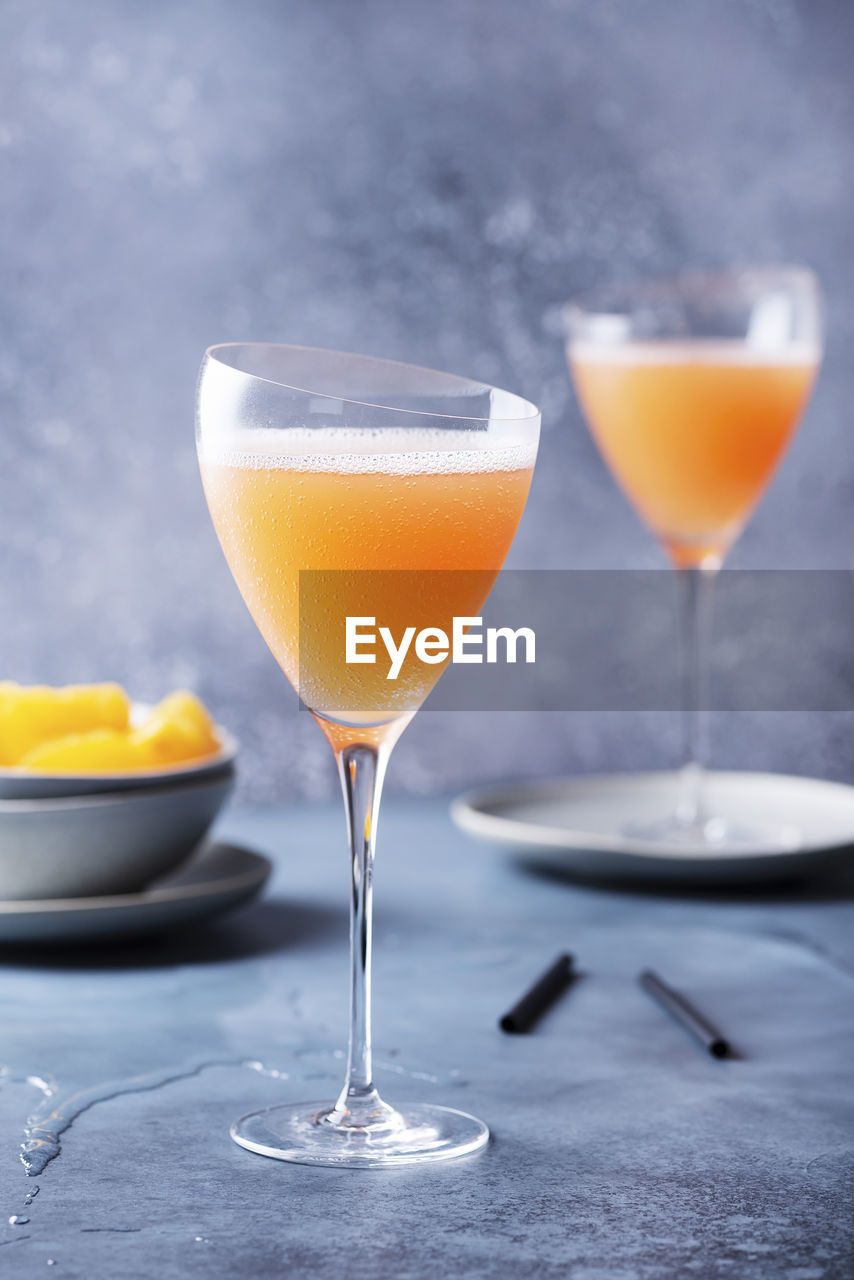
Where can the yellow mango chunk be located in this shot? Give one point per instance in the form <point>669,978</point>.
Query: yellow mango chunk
<point>36,714</point>
<point>86,729</point>
<point>178,728</point>
<point>98,751</point>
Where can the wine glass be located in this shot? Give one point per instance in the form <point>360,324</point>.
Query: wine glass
<point>692,387</point>
<point>379,483</point>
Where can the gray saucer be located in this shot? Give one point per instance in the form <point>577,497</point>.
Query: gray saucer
<point>219,877</point>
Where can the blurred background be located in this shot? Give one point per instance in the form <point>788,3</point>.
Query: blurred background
<point>425,180</point>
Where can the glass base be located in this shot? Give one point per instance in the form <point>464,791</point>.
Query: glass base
<point>305,1133</point>
<point>707,833</point>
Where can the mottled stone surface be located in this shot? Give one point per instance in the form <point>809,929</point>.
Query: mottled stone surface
<point>620,1151</point>
<point>427,181</point>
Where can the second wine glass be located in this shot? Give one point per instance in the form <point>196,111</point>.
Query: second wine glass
<point>692,388</point>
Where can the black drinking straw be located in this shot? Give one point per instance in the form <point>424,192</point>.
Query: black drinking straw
<point>685,1014</point>
<point>544,992</point>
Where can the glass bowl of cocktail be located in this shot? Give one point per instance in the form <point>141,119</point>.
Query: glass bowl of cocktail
<point>343,486</point>
<point>692,388</point>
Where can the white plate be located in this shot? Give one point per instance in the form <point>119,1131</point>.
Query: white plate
<point>220,877</point>
<point>577,825</point>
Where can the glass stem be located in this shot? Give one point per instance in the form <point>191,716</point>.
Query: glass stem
<point>362,768</point>
<point>695,591</point>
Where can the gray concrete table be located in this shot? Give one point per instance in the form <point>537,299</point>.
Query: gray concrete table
<point>620,1151</point>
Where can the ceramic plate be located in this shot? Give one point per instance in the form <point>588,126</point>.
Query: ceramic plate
<point>220,877</point>
<point>115,843</point>
<point>579,824</point>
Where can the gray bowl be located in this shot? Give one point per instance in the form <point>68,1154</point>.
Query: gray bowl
<point>24,784</point>
<point>117,842</point>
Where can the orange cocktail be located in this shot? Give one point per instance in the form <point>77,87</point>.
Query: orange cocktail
<point>692,431</point>
<point>342,488</point>
<point>692,388</point>
<point>401,505</point>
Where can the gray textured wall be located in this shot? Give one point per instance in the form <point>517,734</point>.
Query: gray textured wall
<point>423,180</point>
